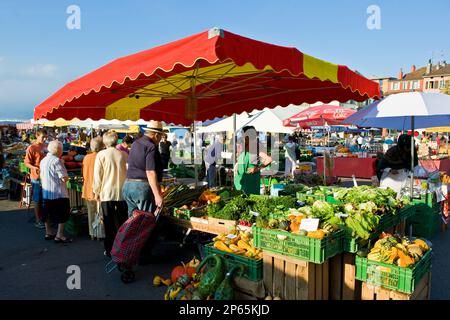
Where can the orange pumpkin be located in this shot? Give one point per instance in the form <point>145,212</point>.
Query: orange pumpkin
<point>294,226</point>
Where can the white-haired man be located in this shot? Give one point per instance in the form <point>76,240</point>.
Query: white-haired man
<point>55,197</point>
<point>110,169</point>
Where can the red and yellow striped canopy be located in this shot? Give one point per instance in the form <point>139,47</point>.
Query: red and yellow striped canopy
<point>207,75</point>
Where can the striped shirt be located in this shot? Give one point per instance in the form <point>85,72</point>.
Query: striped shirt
<point>52,172</point>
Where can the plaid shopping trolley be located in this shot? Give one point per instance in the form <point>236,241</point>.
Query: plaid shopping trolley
<point>129,241</point>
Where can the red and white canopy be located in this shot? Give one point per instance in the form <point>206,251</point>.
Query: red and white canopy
<point>319,116</point>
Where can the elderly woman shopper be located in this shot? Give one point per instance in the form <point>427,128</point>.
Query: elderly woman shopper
<point>88,178</point>
<point>109,176</point>
<point>55,197</point>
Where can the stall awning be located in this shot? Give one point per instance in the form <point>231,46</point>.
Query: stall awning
<point>24,126</point>
<point>207,75</point>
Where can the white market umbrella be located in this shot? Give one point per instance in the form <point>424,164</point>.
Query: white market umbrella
<point>396,112</point>
<point>263,121</point>
<point>405,111</point>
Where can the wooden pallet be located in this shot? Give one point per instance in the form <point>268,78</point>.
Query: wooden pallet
<point>293,279</point>
<point>343,285</point>
<point>422,292</point>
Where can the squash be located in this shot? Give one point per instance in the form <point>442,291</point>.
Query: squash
<point>283,224</point>
<point>166,282</point>
<point>244,245</point>
<point>422,244</point>
<point>193,263</point>
<point>294,226</point>
<point>319,234</point>
<point>404,260</point>
<point>157,281</point>
<point>211,279</point>
<point>225,290</point>
<point>178,271</point>
<point>220,245</point>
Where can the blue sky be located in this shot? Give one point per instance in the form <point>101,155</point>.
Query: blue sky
<point>38,54</point>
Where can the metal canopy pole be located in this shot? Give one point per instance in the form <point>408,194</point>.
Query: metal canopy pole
<point>412,156</point>
<point>234,145</point>
<point>195,154</point>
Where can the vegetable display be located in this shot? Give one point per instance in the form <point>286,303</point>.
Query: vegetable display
<point>225,290</point>
<point>177,196</point>
<point>211,279</point>
<point>239,243</point>
<point>243,207</point>
<point>402,252</point>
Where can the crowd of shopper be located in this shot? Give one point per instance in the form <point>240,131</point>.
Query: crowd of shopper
<point>118,179</point>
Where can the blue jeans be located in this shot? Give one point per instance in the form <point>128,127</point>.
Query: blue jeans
<point>36,191</point>
<point>211,176</point>
<point>138,195</point>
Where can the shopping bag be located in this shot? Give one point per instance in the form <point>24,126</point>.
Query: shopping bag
<point>98,226</point>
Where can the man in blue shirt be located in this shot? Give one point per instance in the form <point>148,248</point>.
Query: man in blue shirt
<point>141,189</point>
<point>145,170</point>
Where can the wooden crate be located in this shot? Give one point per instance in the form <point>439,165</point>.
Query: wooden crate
<point>343,285</point>
<point>293,279</point>
<point>422,292</point>
<point>210,225</point>
<point>218,226</point>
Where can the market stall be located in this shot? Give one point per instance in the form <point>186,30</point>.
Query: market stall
<point>213,74</point>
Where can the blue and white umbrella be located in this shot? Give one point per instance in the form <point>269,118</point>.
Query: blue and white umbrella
<point>405,111</point>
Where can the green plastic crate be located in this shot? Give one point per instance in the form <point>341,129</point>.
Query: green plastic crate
<point>425,223</point>
<point>352,245</point>
<point>188,214</point>
<point>253,268</point>
<point>390,276</point>
<point>297,246</point>
<point>428,199</point>
<point>77,225</point>
<point>310,198</point>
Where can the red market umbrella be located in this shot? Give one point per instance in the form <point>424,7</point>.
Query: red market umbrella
<point>207,75</point>
<point>319,116</point>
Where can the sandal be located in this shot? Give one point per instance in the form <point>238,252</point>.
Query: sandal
<point>49,236</point>
<point>59,240</point>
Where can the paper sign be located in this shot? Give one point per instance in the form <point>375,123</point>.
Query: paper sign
<point>231,236</point>
<point>256,214</point>
<point>309,224</point>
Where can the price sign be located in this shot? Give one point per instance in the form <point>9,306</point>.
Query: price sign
<point>256,214</point>
<point>309,224</point>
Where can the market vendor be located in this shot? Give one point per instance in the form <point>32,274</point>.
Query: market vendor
<point>398,157</point>
<point>290,157</point>
<point>34,154</point>
<point>248,167</point>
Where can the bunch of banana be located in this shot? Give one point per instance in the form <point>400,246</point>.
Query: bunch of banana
<point>240,244</point>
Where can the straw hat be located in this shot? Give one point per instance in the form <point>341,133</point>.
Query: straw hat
<point>154,126</point>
